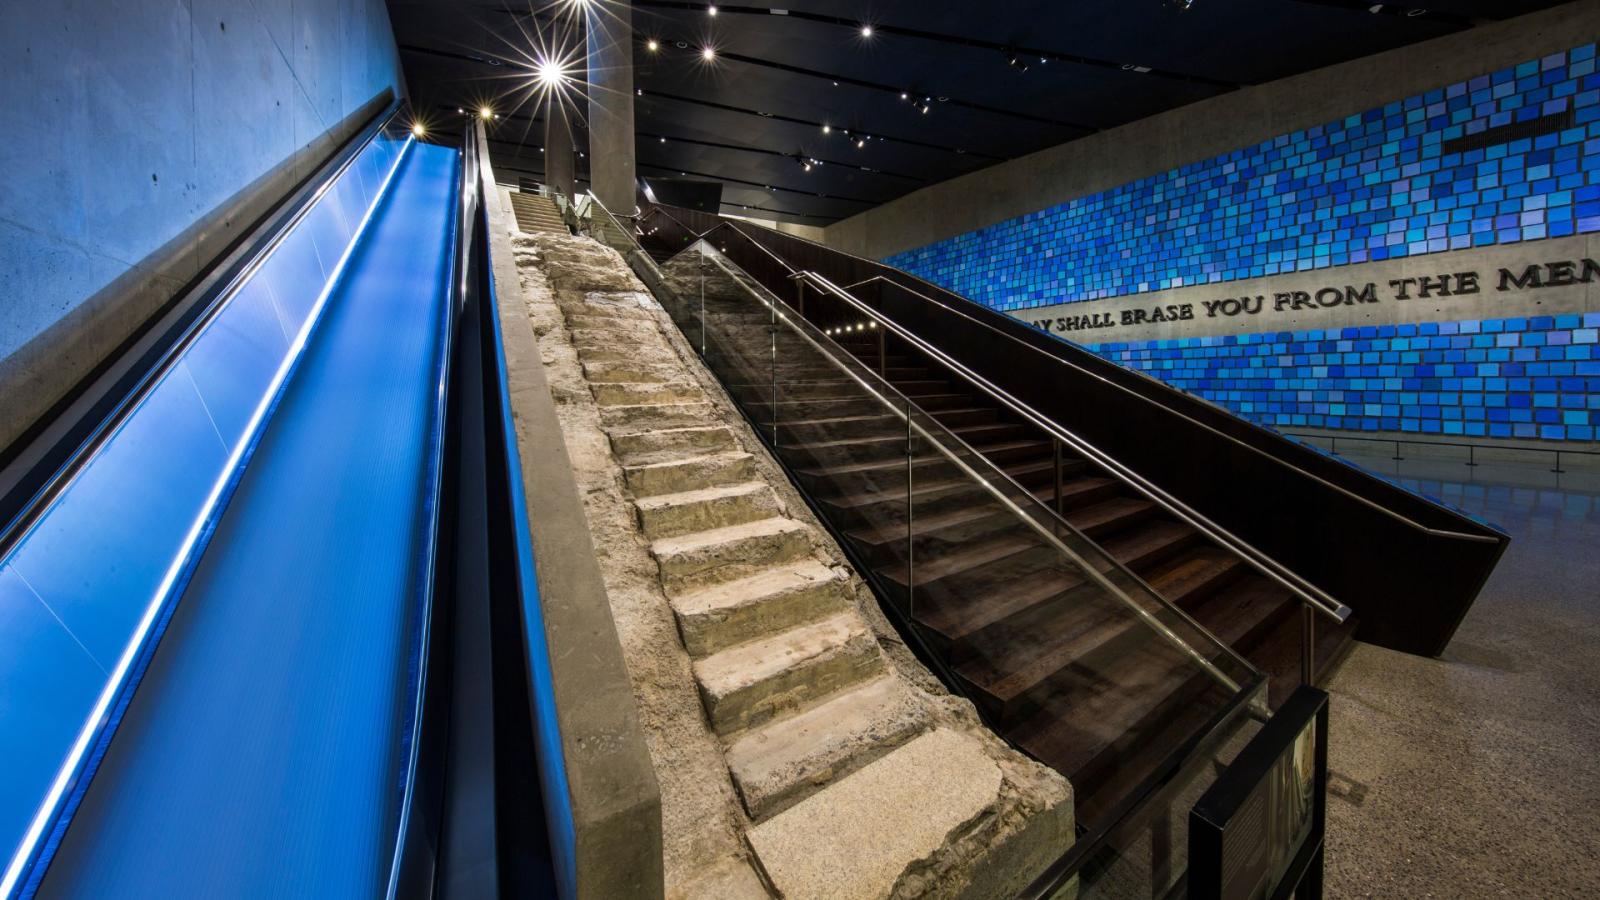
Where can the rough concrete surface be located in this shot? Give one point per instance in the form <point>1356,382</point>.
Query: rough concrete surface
<point>704,545</point>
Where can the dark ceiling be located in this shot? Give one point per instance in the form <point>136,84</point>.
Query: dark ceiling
<point>781,73</point>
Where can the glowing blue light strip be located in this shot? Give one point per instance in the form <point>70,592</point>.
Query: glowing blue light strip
<point>193,544</point>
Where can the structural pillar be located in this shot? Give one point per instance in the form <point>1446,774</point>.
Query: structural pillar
<point>560,165</point>
<point>611,159</point>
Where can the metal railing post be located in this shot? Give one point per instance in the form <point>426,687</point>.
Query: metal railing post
<point>1558,470</point>
<point>1308,643</point>
<point>1055,444</point>
<point>1472,455</point>
<point>1397,451</point>
<point>911,535</point>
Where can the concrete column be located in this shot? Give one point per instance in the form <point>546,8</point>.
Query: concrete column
<point>611,161</point>
<point>560,104</point>
<point>560,164</point>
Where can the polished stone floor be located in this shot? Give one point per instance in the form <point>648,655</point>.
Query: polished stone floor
<point>1478,774</point>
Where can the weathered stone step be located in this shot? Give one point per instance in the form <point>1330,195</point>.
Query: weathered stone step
<point>641,416</point>
<point>619,326</point>
<point>758,681</point>
<point>629,371</point>
<point>780,763</point>
<point>610,304</point>
<point>635,393</point>
<point>706,508</point>
<point>856,837</point>
<point>662,444</point>
<point>763,604</point>
<point>711,470</point>
<point>704,558</point>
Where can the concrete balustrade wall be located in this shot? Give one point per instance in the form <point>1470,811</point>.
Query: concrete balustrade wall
<point>141,138</point>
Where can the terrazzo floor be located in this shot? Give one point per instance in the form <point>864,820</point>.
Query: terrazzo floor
<point>1478,774</point>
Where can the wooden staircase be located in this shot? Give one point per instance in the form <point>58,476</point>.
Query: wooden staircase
<point>1058,665</point>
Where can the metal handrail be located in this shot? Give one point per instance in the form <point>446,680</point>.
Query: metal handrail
<point>986,481</point>
<point>1436,532</point>
<point>1308,593</point>
<point>1399,517</point>
<point>595,202</point>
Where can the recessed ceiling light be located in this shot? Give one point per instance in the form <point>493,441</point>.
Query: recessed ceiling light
<point>663,140</point>
<point>866,31</point>
<point>550,74</point>
<point>827,129</point>
<point>904,96</point>
<point>485,112</point>
<point>711,10</point>
<point>708,54</point>
<point>418,130</point>
<point>652,45</point>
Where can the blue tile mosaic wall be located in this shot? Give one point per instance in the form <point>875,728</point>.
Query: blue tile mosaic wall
<point>1533,377</point>
<point>1403,179</point>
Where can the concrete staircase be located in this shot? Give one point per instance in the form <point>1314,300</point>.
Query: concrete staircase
<point>536,213</point>
<point>850,776</point>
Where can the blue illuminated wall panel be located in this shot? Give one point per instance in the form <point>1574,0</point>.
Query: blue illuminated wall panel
<point>1510,156</point>
<point>1532,377</point>
<point>1379,184</point>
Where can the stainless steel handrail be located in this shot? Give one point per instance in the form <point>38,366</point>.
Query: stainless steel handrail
<point>1032,521</point>
<point>1436,532</point>
<point>649,261</point>
<point>1307,592</point>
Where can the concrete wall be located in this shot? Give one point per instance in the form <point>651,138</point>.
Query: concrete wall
<point>142,137</point>
<point>1202,130</point>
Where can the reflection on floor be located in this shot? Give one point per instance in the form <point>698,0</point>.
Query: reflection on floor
<point>1477,774</point>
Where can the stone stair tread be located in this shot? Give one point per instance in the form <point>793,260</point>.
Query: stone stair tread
<point>855,838</point>
<point>728,534</point>
<point>702,494</point>
<point>714,618</point>
<point>755,588</point>
<point>778,764</point>
<point>702,508</point>
<point>757,681</point>
<point>654,478</point>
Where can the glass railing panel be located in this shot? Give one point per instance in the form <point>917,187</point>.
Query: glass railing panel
<point>1067,653</point>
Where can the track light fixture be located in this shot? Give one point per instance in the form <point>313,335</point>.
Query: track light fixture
<point>1016,61</point>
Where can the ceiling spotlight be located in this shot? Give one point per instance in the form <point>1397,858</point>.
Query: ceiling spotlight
<point>827,129</point>
<point>652,45</point>
<point>711,10</point>
<point>1015,61</point>
<point>663,140</point>
<point>550,74</point>
<point>866,31</point>
<point>418,131</point>
<point>460,111</point>
<point>923,107</point>
<point>904,96</point>
<point>860,142</point>
<point>707,53</point>
<point>1178,5</point>
<point>485,112</point>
